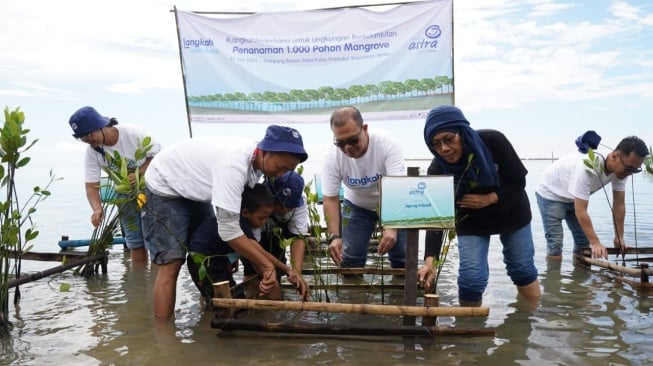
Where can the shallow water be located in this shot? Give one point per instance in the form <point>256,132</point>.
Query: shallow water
<point>585,316</point>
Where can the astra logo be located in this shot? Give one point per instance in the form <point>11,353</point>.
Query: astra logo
<point>419,191</point>
<point>429,41</point>
<point>363,181</point>
<point>194,43</point>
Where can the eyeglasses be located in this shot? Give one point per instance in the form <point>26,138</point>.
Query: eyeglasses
<point>629,168</point>
<point>447,140</point>
<point>351,141</point>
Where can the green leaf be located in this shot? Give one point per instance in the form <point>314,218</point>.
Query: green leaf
<point>202,272</point>
<point>197,257</point>
<point>23,162</point>
<point>64,287</point>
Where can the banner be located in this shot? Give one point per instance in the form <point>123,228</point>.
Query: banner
<point>299,66</point>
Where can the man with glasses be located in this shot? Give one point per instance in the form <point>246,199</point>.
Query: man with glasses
<point>358,160</point>
<point>564,189</point>
<point>104,136</point>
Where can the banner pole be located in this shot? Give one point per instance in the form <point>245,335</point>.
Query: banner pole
<point>183,74</point>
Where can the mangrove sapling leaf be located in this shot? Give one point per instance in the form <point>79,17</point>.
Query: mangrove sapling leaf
<point>198,258</point>
<point>202,271</point>
<point>64,287</point>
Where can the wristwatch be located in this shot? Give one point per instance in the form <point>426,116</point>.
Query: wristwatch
<point>332,237</point>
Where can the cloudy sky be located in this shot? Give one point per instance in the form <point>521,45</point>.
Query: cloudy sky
<point>541,71</point>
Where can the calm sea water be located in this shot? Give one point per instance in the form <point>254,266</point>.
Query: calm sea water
<point>585,317</point>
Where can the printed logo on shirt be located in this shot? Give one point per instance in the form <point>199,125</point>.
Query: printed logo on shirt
<point>364,181</point>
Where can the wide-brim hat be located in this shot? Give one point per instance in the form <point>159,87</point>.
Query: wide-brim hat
<point>283,139</point>
<point>287,189</point>
<point>86,120</point>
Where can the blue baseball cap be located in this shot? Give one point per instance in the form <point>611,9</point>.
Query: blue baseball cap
<point>287,189</point>
<point>283,139</point>
<point>87,120</point>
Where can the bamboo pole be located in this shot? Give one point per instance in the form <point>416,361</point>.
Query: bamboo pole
<point>410,256</point>
<point>397,310</point>
<point>47,257</point>
<point>348,286</point>
<point>222,290</point>
<point>356,271</point>
<point>344,329</point>
<point>646,250</point>
<point>313,241</point>
<point>58,269</point>
<point>430,300</point>
<point>615,267</point>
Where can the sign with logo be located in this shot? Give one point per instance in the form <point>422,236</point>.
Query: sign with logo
<point>298,66</point>
<point>417,202</point>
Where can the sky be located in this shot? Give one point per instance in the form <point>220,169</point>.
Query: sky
<point>540,71</point>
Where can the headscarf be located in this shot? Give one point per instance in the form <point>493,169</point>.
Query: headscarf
<point>482,171</point>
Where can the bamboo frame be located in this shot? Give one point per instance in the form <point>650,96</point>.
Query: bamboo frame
<point>348,286</point>
<point>102,257</point>
<point>642,273</point>
<point>355,271</point>
<point>396,310</point>
<point>633,272</point>
<point>345,329</point>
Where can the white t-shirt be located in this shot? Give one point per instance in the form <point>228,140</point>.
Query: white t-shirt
<point>569,178</point>
<point>206,169</point>
<point>129,137</point>
<point>361,176</point>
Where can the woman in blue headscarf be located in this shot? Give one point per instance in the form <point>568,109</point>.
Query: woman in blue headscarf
<point>489,182</point>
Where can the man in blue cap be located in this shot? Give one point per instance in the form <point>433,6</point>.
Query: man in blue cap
<point>104,136</point>
<point>189,180</point>
<point>564,189</point>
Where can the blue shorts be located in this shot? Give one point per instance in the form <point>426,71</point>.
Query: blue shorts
<point>130,222</point>
<point>166,225</point>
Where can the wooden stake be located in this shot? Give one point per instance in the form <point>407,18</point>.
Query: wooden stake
<point>222,290</point>
<point>344,329</point>
<point>350,308</point>
<point>430,300</point>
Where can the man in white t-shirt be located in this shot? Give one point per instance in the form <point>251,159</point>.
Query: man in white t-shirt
<point>564,190</point>
<point>104,136</point>
<point>187,180</point>
<point>358,160</point>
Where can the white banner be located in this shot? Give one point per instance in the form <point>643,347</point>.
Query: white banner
<point>299,66</point>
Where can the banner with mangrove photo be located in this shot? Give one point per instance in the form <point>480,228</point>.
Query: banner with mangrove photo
<point>392,62</point>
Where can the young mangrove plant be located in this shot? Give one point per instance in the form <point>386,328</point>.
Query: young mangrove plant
<point>129,187</point>
<point>17,229</point>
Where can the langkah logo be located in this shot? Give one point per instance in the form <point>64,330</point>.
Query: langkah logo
<point>429,42</point>
<point>194,43</point>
